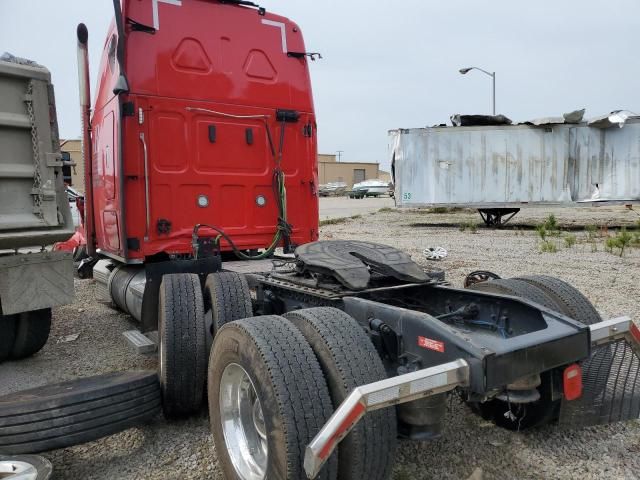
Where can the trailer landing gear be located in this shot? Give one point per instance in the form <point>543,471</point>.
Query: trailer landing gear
<point>496,217</point>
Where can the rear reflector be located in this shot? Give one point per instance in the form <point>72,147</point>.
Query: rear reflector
<point>635,332</point>
<point>572,384</point>
<point>353,416</point>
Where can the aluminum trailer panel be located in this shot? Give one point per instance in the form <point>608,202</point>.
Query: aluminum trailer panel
<point>511,165</point>
<point>34,209</point>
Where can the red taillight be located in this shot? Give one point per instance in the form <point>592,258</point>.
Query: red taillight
<point>572,384</point>
<point>635,332</point>
<point>356,412</point>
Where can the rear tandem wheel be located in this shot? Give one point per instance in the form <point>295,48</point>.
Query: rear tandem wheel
<point>182,361</point>
<point>226,298</point>
<point>267,400</point>
<point>561,297</point>
<point>349,360</point>
<point>513,416</point>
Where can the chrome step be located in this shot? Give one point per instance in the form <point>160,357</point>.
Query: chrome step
<point>140,342</point>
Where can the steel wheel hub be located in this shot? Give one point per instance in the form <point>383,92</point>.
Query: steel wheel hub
<point>243,424</point>
<point>16,470</point>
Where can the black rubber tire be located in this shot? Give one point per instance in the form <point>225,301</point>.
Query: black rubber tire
<point>570,300</point>
<point>517,288</point>
<point>536,413</point>
<point>182,361</point>
<point>75,412</point>
<point>572,303</point>
<point>32,332</point>
<point>80,253</point>
<point>7,335</point>
<point>289,384</point>
<point>348,360</point>
<point>228,298</point>
<point>43,467</point>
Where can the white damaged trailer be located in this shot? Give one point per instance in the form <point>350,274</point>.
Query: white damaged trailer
<point>506,166</point>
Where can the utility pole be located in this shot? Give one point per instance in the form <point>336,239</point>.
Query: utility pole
<point>340,152</point>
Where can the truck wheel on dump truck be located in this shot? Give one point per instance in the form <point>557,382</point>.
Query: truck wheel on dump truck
<point>509,415</point>
<point>226,298</point>
<point>78,411</point>
<point>267,400</point>
<point>182,358</point>
<point>348,359</point>
<point>8,335</point>
<point>32,332</point>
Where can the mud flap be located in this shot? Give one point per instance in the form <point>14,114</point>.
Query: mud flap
<point>610,379</point>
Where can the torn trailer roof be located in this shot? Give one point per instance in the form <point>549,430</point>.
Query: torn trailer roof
<point>502,165</point>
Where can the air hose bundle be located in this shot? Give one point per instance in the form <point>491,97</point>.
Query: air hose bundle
<point>283,228</point>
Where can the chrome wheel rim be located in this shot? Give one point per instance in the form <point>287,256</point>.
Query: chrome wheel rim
<point>17,470</point>
<point>243,424</point>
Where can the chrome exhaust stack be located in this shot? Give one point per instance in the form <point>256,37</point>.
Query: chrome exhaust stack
<point>87,151</point>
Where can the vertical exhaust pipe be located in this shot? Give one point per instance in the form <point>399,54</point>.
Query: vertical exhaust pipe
<point>87,149</point>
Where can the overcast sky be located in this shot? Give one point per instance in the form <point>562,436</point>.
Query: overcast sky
<point>391,64</point>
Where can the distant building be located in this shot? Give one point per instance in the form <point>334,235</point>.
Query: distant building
<point>384,176</point>
<point>73,148</point>
<point>330,170</point>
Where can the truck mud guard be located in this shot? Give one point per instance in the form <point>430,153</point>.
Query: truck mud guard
<point>392,391</point>
<point>610,377</point>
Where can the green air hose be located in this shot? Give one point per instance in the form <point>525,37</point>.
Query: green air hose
<point>283,229</point>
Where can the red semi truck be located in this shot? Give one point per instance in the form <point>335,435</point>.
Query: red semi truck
<point>201,147</point>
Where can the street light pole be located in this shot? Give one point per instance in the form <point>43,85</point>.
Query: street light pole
<point>340,152</point>
<point>466,70</point>
<point>493,80</point>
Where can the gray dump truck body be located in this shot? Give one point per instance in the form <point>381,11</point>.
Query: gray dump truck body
<point>34,208</point>
<point>508,165</point>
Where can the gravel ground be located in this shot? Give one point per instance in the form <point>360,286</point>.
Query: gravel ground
<point>337,207</point>
<point>163,450</point>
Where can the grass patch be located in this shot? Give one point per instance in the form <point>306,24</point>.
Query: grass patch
<point>333,221</point>
<point>548,247</point>
<point>592,231</point>
<point>385,210</point>
<point>471,226</point>
<point>542,232</point>
<point>443,210</point>
<point>620,242</point>
<point>338,221</point>
<point>551,223</point>
<point>570,240</point>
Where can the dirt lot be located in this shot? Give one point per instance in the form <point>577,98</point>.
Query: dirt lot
<point>337,207</point>
<point>163,450</point>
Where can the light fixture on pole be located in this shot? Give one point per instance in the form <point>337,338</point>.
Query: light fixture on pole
<point>466,70</point>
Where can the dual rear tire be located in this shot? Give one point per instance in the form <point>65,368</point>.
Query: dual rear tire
<point>273,381</point>
<point>24,334</point>
<point>188,318</point>
<point>300,367</point>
